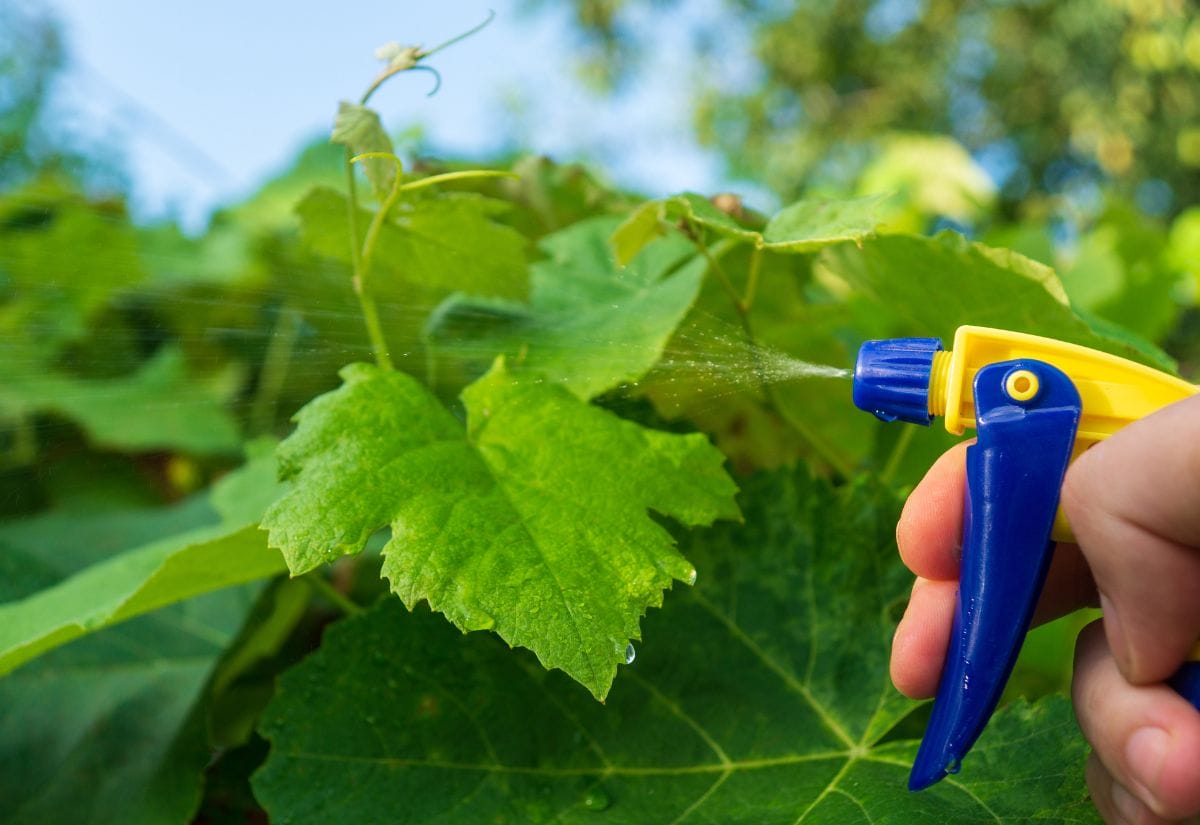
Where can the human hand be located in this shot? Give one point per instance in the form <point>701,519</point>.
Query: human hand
<point>1133,502</point>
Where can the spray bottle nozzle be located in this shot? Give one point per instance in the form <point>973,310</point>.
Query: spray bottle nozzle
<point>891,378</point>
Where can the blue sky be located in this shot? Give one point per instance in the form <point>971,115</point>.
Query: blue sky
<point>206,101</point>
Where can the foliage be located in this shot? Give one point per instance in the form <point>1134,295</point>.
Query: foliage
<point>582,405</point>
<point>1057,95</point>
<point>746,704</point>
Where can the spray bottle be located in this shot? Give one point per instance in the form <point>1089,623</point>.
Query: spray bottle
<point>1036,404</point>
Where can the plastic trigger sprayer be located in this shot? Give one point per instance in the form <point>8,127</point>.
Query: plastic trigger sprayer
<point>1035,404</point>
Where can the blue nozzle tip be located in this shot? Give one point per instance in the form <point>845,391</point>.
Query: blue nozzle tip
<point>891,378</point>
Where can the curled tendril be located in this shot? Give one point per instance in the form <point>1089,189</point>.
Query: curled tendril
<point>491,15</point>
<point>437,78</point>
<point>421,55</point>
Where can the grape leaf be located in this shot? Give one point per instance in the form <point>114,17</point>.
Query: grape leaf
<point>148,577</point>
<point>445,241</point>
<point>940,283</point>
<point>358,129</point>
<point>108,729</point>
<point>590,324</point>
<point>532,522</point>
<point>760,696</point>
<point>160,407</point>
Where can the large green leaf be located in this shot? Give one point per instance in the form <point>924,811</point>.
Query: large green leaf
<point>760,696</point>
<point>448,242</point>
<point>937,284</point>
<point>533,522</point>
<point>130,584</point>
<point>107,729</point>
<point>160,407</point>
<point>145,578</point>
<point>590,325</point>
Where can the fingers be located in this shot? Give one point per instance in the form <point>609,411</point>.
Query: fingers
<point>929,533</point>
<point>923,635</point>
<point>919,646</point>
<point>1134,504</point>
<point>1146,740</point>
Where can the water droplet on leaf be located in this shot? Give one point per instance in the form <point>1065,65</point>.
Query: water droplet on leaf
<point>596,800</point>
<point>954,765</point>
<point>691,577</point>
<point>630,653</point>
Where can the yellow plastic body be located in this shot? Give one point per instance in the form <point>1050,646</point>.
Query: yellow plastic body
<point>1115,391</point>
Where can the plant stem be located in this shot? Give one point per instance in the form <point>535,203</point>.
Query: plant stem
<point>466,174</point>
<point>752,278</point>
<point>365,300</point>
<point>331,594</point>
<point>715,267</point>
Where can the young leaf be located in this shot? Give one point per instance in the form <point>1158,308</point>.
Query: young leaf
<point>940,283</point>
<point>590,323</point>
<point>359,130</point>
<point>640,228</point>
<point>760,696</point>
<point>533,522</point>
<point>175,410</point>
<point>447,241</point>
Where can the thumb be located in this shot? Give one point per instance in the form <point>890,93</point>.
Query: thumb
<point>1133,502</point>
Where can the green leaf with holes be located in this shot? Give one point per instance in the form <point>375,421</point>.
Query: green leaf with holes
<point>761,696</point>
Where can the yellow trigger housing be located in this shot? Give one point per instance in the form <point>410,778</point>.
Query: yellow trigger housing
<point>1114,391</point>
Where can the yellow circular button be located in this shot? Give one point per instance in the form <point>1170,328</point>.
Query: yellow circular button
<point>1021,385</point>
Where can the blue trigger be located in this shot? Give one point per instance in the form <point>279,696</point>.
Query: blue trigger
<point>1026,416</point>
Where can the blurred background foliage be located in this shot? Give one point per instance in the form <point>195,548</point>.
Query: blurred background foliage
<point>1067,130</point>
<point>1053,97</point>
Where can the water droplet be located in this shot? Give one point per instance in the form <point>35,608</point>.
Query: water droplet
<point>954,765</point>
<point>691,577</point>
<point>596,800</point>
<point>479,620</point>
<point>630,653</point>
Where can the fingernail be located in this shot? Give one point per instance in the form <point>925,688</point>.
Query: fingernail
<point>1112,631</point>
<point>1127,805</point>
<point>1145,753</point>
